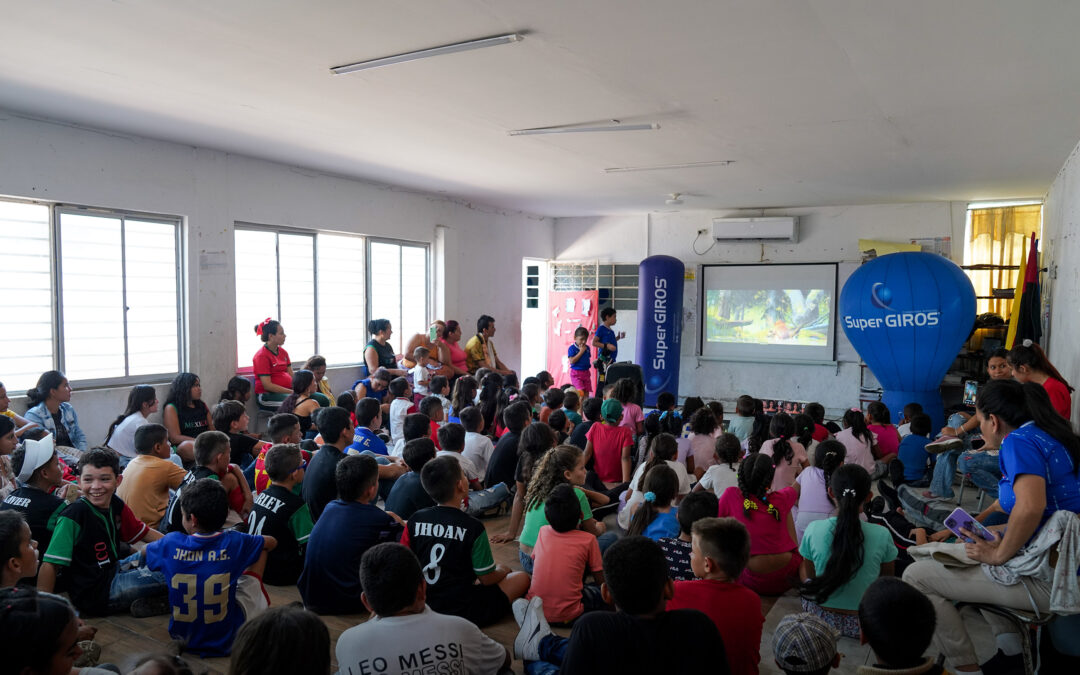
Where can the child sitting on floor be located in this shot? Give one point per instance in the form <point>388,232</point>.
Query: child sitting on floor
<point>696,506</point>
<point>368,414</point>
<point>215,575</point>
<point>915,461</point>
<point>725,473</point>
<point>702,453</point>
<point>38,467</point>
<point>404,630</point>
<point>563,555</point>
<point>18,550</point>
<point>481,500</point>
<point>478,447</point>
<point>232,418</point>
<point>432,407</point>
<point>859,441</point>
<point>399,406</point>
<point>743,422</point>
<point>879,422</point>
<point>814,500</point>
<point>150,476</point>
<point>281,513</point>
<point>655,518</point>
<point>553,400</point>
<point>571,406</point>
<point>454,548</point>
<point>609,445</point>
<point>408,494</point>
<point>284,429</point>
<point>721,549</point>
<point>788,455</point>
<point>898,623</point>
<point>625,392</point>
<point>803,644</point>
<point>774,557</point>
<point>843,555</point>
<point>212,461</point>
<point>664,450</point>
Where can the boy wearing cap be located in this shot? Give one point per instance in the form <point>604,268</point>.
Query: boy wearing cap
<point>38,470</point>
<point>898,622</point>
<point>610,445</point>
<point>805,644</point>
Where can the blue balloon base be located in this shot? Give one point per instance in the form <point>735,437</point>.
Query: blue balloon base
<point>930,401</point>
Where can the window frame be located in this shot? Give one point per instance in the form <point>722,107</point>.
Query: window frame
<point>426,246</point>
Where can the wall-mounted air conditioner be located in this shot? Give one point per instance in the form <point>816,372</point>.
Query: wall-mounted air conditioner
<point>774,228</point>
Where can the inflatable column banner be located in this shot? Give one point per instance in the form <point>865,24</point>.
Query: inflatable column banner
<point>659,328</point>
<point>907,315</point>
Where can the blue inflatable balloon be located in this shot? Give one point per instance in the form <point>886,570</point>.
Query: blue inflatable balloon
<point>907,314</point>
<point>659,329</point>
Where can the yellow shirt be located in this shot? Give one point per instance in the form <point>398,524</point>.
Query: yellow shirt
<point>146,484</point>
<point>9,414</point>
<point>324,389</point>
<point>479,353</point>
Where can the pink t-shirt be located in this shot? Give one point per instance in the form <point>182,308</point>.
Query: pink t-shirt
<point>457,354</point>
<point>786,470</point>
<point>858,450</point>
<point>703,450</point>
<point>767,534</point>
<point>631,417</point>
<point>608,442</point>
<point>266,362</point>
<point>888,438</point>
<point>561,560</point>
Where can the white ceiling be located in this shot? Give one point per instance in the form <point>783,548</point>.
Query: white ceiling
<point>817,101</point>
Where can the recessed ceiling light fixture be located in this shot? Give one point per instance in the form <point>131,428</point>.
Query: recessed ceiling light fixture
<point>664,167</point>
<point>426,53</point>
<point>570,129</point>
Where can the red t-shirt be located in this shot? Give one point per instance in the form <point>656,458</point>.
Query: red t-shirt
<point>1059,397</point>
<point>266,362</point>
<point>608,442</point>
<point>262,480</point>
<point>736,611</point>
<point>435,435</point>
<point>820,433</point>
<point>888,439</point>
<point>767,534</point>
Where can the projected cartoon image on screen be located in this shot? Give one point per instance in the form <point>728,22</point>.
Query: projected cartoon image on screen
<point>768,317</point>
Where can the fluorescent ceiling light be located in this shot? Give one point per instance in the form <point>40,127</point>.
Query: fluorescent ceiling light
<point>425,53</point>
<point>663,167</point>
<point>574,130</point>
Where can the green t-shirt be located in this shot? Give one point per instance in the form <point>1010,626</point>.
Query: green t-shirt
<point>535,518</point>
<point>878,548</point>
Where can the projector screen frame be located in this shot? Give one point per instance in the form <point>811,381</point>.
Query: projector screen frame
<point>702,316</point>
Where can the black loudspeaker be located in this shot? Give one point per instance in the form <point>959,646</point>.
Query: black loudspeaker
<point>623,370</point>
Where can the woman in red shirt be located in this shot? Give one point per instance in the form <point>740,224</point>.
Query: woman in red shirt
<point>273,369</point>
<point>1029,364</point>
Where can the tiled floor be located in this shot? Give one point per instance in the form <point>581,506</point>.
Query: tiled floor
<point>123,638</point>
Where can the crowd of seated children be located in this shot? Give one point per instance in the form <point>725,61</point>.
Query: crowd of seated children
<point>788,455</point>
<point>720,551</point>
<point>350,525</point>
<point>478,447</point>
<point>815,503</point>
<point>915,465</point>
<point>185,414</point>
<point>664,450</point>
<point>90,550</point>
<point>142,401</point>
<point>400,405</point>
<point>281,513</point>
<point>408,494</point>
<point>481,500</point>
<point>562,557</point>
<point>38,469</point>
<point>697,505</point>
<point>231,417</point>
<point>212,461</point>
<point>453,547</point>
<point>148,478</point>
<point>404,629</point>
<point>774,556</point>
<point>879,422</point>
<point>859,441</point>
<point>725,473</point>
<point>302,402</point>
<point>609,446</point>
<point>637,637</point>
<point>655,516</point>
<point>842,555</point>
<point>214,575</point>
<point>562,465</point>
<point>319,487</point>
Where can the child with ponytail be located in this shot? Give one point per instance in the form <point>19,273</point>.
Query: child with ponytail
<point>725,473</point>
<point>1029,364</point>
<point>859,441</point>
<point>788,455</point>
<point>656,517</point>
<point>774,556</point>
<point>814,500</point>
<point>843,555</point>
<point>664,450</point>
<point>804,434</point>
<point>879,422</point>
<point>702,441</point>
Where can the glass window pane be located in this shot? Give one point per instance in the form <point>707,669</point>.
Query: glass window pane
<point>296,257</point>
<point>26,343</point>
<point>256,288</point>
<point>342,328</point>
<point>532,270</point>
<point>386,291</point>
<point>151,269</point>
<point>92,296</point>
<point>414,318</point>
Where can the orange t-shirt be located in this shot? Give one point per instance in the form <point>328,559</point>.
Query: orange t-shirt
<point>561,560</point>
<point>146,485</point>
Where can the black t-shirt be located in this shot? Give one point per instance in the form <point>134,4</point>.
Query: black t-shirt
<point>39,508</point>
<point>645,645</point>
<point>386,354</point>
<point>62,437</point>
<point>240,447</point>
<point>408,496</point>
<point>174,515</point>
<point>283,515</point>
<point>503,461</point>
<point>320,488</point>
<point>453,550</point>
<point>578,436</point>
<point>192,420</point>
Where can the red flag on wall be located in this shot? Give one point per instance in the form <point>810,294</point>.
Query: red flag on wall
<point>566,311</point>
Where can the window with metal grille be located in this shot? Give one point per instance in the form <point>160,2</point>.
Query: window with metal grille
<point>616,284</point>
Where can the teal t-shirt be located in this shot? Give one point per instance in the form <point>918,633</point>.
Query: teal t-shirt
<point>535,519</point>
<point>878,548</point>
<point>741,427</point>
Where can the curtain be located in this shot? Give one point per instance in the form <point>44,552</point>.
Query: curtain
<point>998,237</point>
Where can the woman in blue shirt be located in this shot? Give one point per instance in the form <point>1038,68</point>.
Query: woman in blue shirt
<point>1039,458</point>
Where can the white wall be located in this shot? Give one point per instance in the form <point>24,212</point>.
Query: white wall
<point>1061,284</point>
<point>828,234</point>
<point>212,190</point>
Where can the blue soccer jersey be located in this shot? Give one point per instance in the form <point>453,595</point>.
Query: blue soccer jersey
<point>202,571</point>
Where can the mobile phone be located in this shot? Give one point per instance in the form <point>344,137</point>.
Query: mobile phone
<point>970,388</point>
<point>962,520</point>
